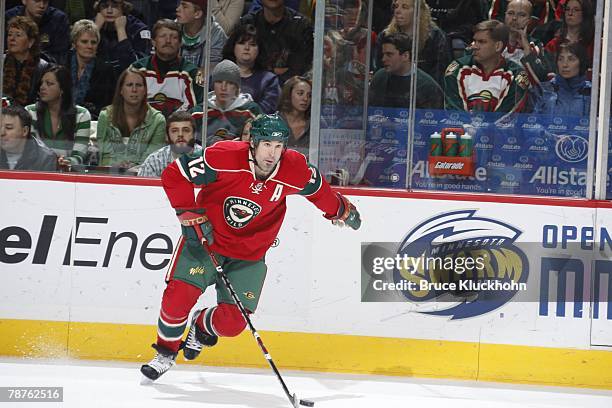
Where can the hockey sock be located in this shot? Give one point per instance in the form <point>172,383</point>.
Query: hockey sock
<point>178,299</point>
<point>223,320</point>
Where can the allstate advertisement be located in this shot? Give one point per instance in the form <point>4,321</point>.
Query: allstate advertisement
<point>515,154</point>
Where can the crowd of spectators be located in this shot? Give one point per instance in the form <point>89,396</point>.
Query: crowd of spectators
<point>483,55</point>
<point>102,79</point>
<point>132,67</point>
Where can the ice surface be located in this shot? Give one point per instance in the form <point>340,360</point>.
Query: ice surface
<point>108,384</point>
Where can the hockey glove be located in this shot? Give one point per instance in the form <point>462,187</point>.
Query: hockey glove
<point>347,214</point>
<point>195,225</point>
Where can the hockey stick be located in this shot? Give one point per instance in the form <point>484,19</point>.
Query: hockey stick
<point>292,397</point>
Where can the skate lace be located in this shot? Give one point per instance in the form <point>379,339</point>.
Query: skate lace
<point>192,341</point>
<point>161,363</point>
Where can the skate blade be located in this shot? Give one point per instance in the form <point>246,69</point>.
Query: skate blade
<point>145,380</point>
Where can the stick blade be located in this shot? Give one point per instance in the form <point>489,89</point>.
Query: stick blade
<point>297,402</point>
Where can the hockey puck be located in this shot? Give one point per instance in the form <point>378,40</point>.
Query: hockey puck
<point>307,403</point>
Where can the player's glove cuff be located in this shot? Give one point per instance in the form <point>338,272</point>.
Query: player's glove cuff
<point>347,214</point>
<point>195,225</point>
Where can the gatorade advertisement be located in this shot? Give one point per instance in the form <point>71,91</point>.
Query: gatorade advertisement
<point>453,145</point>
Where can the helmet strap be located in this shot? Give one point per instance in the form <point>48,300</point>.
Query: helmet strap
<point>253,145</point>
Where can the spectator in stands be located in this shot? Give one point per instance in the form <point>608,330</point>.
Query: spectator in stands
<point>294,108</point>
<point>522,49</point>
<point>191,14</point>
<point>543,10</point>
<point>57,121</point>
<point>433,51</point>
<point>123,38</point>
<point>287,36</point>
<point>456,18</point>
<point>179,90</point>
<point>245,136</point>
<point>351,50</point>
<point>76,10</point>
<point>227,13</point>
<point>332,74</point>
<point>93,79</point>
<point>517,18</point>
<point>23,64</point>
<point>180,139</point>
<point>228,108</point>
<point>129,129</point>
<point>577,26</point>
<point>53,27</point>
<point>569,92</point>
<point>391,85</point>
<point>245,48</point>
<point>484,80</point>
<point>18,149</point>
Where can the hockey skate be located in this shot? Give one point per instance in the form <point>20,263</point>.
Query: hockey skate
<point>196,339</point>
<point>162,362</point>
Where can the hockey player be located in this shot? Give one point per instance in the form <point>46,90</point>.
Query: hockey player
<point>238,212</point>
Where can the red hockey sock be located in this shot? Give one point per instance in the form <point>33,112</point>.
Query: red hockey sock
<point>223,320</point>
<point>178,299</point>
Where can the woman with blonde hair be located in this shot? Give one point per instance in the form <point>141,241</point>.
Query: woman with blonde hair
<point>93,79</point>
<point>129,129</point>
<point>433,53</point>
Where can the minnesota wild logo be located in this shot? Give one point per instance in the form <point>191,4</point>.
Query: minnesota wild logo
<point>198,270</point>
<point>238,212</point>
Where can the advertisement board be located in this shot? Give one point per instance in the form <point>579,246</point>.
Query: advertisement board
<point>518,154</point>
<point>96,253</point>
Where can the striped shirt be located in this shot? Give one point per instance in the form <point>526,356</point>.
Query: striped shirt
<point>160,159</point>
<point>73,150</point>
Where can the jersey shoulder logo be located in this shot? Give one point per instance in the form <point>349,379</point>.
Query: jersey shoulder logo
<point>452,67</point>
<point>257,188</point>
<point>238,211</point>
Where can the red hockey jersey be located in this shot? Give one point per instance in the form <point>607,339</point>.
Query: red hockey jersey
<point>246,213</point>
